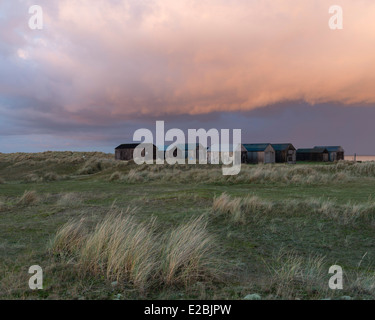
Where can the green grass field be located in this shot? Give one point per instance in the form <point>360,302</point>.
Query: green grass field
<point>185,232</point>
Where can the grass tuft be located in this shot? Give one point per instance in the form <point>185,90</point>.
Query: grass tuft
<point>69,199</point>
<point>123,249</point>
<point>29,198</point>
<point>189,254</point>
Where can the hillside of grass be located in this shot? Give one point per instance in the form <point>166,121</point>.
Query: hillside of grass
<point>106,229</point>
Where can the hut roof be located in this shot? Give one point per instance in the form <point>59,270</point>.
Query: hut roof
<point>331,148</point>
<point>129,145</point>
<point>185,147</point>
<point>188,146</point>
<point>224,147</point>
<point>312,150</point>
<point>282,146</point>
<point>256,146</point>
<point>163,148</point>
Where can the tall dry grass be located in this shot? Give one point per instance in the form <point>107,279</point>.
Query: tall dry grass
<point>294,276</point>
<point>123,249</point>
<point>3,206</point>
<point>69,238</point>
<point>252,208</point>
<point>240,210</point>
<point>53,157</point>
<point>259,174</point>
<point>69,199</point>
<point>29,198</point>
<point>187,254</point>
<point>47,177</point>
<point>120,248</point>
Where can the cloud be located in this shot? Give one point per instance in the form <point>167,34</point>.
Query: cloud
<point>97,66</point>
<point>125,59</point>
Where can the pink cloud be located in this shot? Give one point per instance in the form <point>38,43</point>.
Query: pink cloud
<point>120,59</point>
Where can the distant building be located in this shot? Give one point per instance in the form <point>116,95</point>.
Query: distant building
<point>260,153</point>
<point>189,150</point>
<point>126,151</point>
<point>285,153</point>
<point>335,153</point>
<point>217,153</point>
<point>313,154</point>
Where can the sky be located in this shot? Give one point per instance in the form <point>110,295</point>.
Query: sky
<point>100,70</point>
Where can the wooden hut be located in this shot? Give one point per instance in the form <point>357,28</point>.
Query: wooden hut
<point>191,150</point>
<point>126,151</point>
<point>285,153</point>
<point>335,153</point>
<point>313,154</point>
<point>260,153</point>
<point>217,152</point>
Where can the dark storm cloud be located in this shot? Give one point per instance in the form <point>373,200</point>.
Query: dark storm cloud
<point>99,70</point>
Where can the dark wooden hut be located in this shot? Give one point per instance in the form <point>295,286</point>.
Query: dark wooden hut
<point>190,151</point>
<point>260,153</point>
<point>217,152</point>
<point>126,151</point>
<point>285,153</point>
<point>313,154</point>
<point>335,153</point>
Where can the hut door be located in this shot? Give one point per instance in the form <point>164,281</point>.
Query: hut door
<point>268,157</point>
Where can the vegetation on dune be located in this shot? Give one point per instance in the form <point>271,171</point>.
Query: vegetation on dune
<point>41,167</point>
<point>28,198</point>
<point>273,230</point>
<point>243,210</point>
<point>132,252</point>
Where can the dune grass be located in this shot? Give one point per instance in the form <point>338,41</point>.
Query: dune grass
<point>133,253</point>
<point>272,230</point>
<point>29,198</point>
<point>252,208</point>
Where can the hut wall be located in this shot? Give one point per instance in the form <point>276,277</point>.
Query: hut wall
<point>269,155</point>
<point>336,156</point>
<point>127,154</point>
<point>292,156</point>
<point>124,154</point>
<point>340,156</point>
<point>252,157</point>
<point>311,156</point>
<point>286,156</point>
